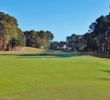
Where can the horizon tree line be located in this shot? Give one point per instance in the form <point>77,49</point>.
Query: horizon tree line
<point>97,39</point>
<point>38,39</point>
<point>11,35</point>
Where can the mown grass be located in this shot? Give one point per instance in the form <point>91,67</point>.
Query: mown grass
<point>62,76</point>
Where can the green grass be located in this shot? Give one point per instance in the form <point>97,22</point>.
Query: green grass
<point>62,76</point>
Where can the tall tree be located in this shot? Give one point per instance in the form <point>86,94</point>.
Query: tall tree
<point>6,33</point>
<point>8,29</point>
<point>38,38</point>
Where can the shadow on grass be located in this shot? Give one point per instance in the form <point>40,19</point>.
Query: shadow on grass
<point>99,55</point>
<point>59,54</point>
<point>107,71</point>
<point>106,79</point>
<point>54,54</point>
<point>65,54</point>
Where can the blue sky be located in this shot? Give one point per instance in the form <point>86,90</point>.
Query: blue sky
<point>61,17</point>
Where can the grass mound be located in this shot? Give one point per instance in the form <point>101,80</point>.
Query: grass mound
<point>31,49</point>
<point>18,50</point>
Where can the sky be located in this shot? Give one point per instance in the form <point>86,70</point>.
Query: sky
<point>61,17</point>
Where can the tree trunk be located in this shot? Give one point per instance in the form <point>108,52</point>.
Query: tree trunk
<point>100,44</point>
<point>5,46</point>
<point>1,43</point>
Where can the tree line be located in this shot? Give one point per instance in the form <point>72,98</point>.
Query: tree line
<point>9,31</point>
<point>38,39</point>
<point>97,39</point>
<point>11,35</point>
